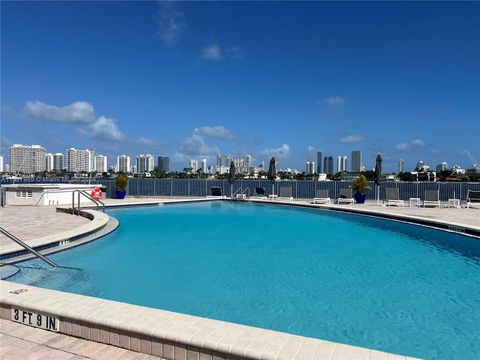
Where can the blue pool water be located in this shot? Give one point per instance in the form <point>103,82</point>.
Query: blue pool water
<point>345,278</point>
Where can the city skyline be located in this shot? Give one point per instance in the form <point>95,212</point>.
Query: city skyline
<point>121,85</point>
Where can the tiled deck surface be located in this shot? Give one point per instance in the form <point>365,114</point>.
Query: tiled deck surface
<point>19,342</point>
<point>32,222</point>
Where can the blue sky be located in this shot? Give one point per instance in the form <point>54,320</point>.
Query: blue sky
<point>188,79</point>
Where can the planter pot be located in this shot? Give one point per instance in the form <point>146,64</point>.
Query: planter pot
<point>120,194</point>
<point>360,198</point>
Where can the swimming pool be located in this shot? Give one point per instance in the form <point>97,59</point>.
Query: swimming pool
<point>346,278</point>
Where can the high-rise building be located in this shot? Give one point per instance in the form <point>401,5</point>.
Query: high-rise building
<point>58,164</point>
<point>310,168</point>
<point>340,164</point>
<point>204,166</point>
<point>164,164</point>
<point>27,159</point>
<point>80,160</point>
<point>356,160</point>
<point>193,165</point>
<point>330,164</point>
<point>319,162</point>
<point>218,162</point>
<point>228,160</point>
<point>145,163</point>
<point>248,161</point>
<point>123,164</point>
<point>401,166</point>
<point>1,163</point>
<point>49,162</point>
<point>325,165</point>
<point>101,163</point>
<point>442,167</point>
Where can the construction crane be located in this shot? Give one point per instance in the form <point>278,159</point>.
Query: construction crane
<point>475,163</point>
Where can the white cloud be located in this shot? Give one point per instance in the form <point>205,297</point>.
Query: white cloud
<point>334,100</point>
<point>103,129</point>
<point>76,113</point>
<point>351,139</point>
<point>171,24</point>
<point>195,146</point>
<point>412,145</point>
<point>145,141</point>
<point>214,132</point>
<point>279,153</point>
<point>211,52</point>
<point>310,148</point>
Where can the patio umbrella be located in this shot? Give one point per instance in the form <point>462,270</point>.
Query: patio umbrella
<point>231,177</point>
<point>378,175</point>
<point>272,172</point>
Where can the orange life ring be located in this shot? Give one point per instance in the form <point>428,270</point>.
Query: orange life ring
<point>97,193</point>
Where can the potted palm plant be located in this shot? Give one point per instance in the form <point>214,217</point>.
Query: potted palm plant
<point>360,184</point>
<point>121,182</point>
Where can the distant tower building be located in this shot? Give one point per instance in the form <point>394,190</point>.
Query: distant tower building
<point>145,163</point>
<point>442,167</point>
<point>218,162</point>
<point>228,160</point>
<point>330,164</point>
<point>79,160</point>
<point>193,165</point>
<point>123,164</point>
<point>204,166</point>
<point>307,167</point>
<point>49,162</point>
<point>356,160</point>
<point>58,164</point>
<point>341,163</point>
<point>319,162</point>
<point>101,163</point>
<point>248,161</point>
<point>27,159</point>
<point>164,164</point>
<point>1,164</point>
<point>325,165</point>
<point>401,166</point>
<point>310,168</point>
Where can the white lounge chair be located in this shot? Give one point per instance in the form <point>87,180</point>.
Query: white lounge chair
<point>285,194</point>
<point>432,198</point>
<point>393,198</point>
<point>321,197</point>
<point>346,197</point>
<point>473,197</point>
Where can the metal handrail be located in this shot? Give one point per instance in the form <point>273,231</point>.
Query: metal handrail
<point>26,247</point>
<point>89,197</point>
<point>241,191</point>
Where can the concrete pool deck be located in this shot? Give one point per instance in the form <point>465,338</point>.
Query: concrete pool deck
<point>176,336</point>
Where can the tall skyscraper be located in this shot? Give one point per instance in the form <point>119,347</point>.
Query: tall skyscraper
<point>49,162</point>
<point>164,164</point>
<point>145,163</point>
<point>58,163</point>
<point>228,160</point>
<point>193,165</point>
<point>325,165</point>
<point>341,163</point>
<point>80,160</point>
<point>123,164</point>
<point>101,163</point>
<point>442,167</point>
<point>248,161</point>
<point>401,166</point>
<point>310,168</point>
<point>27,159</point>
<point>307,167</point>
<point>330,164</point>
<point>319,162</point>
<point>356,160</point>
<point>218,162</point>
<point>204,166</point>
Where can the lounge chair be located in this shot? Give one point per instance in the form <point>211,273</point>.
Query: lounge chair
<point>346,197</point>
<point>392,197</point>
<point>215,192</point>
<point>285,193</point>
<point>321,197</point>
<point>473,196</point>
<point>432,198</point>
<point>259,194</point>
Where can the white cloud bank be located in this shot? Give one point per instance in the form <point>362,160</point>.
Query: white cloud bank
<point>412,145</point>
<point>281,152</point>
<point>334,100</point>
<point>351,139</point>
<point>171,24</point>
<point>214,132</point>
<point>79,112</point>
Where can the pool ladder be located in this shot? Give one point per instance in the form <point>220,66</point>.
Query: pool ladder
<point>89,197</point>
<point>26,247</point>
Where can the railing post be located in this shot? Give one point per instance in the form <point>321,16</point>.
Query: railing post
<point>73,202</point>
<point>78,203</point>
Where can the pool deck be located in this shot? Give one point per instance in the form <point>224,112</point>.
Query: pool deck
<point>144,333</point>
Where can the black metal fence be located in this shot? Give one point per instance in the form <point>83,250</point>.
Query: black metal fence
<point>300,189</point>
